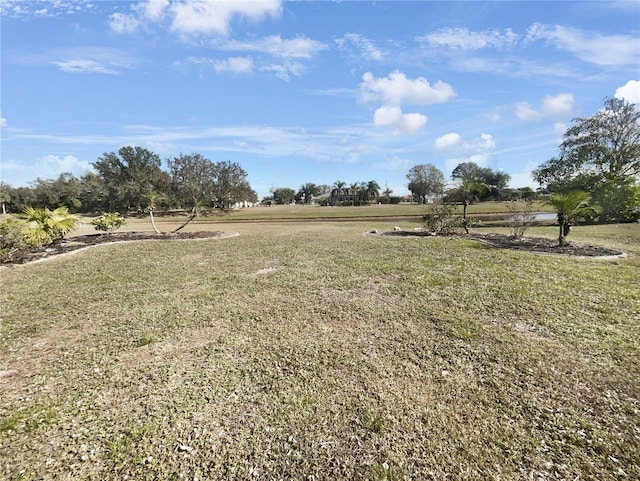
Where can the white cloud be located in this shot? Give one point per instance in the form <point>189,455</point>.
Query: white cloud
<point>524,111</point>
<point>275,45</point>
<point>286,70</point>
<point>123,23</point>
<point>479,150</point>
<point>47,167</point>
<point>523,179</point>
<point>154,10</point>
<point>3,122</point>
<point>448,140</point>
<point>560,128</point>
<point>588,46</point>
<point>79,65</point>
<point>464,39</point>
<point>206,17</point>
<point>396,89</point>
<point>629,91</point>
<point>396,163</point>
<point>557,105</point>
<point>365,47</point>
<point>235,65</point>
<point>394,118</point>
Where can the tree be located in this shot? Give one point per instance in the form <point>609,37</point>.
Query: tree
<point>387,193</point>
<point>193,179</point>
<point>129,175</point>
<point>338,191</point>
<point>283,195</point>
<point>307,192</point>
<point>425,179</point>
<point>372,190</point>
<point>601,147</point>
<point>571,206</point>
<point>618,199</point>
<point>494,182</point>
<point>231,184</point>
<point>5,196</point>
<point>47,226</point>
<point>154,199</point>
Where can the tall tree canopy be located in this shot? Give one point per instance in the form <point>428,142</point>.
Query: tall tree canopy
<point>425,179</point>
<point>231,184</point>
<point>130,175</point>
<point>307,192</point>
<point>486,182</point>
<point>192,178</point>
<point>602,147</point>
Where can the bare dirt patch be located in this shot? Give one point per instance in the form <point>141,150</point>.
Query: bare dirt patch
<point>541,245</point>
<point>81,242</point>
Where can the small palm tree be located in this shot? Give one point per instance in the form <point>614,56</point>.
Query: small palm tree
<point>155,199</point>
<point>46,226</point>
<point>570,206</point>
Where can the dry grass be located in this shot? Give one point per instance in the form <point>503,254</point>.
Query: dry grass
<point>310,351</point>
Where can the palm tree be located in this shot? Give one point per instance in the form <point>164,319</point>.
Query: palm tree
<point>571,206</point>
<point>198,204</point>
<point>373,190</point>
<point>339,188</point>
<point>47,226</point>
<point>154,199</point>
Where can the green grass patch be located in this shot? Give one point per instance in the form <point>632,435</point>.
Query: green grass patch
<point>310,351</point>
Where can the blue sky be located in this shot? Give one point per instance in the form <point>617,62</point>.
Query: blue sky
<point>300,92</point>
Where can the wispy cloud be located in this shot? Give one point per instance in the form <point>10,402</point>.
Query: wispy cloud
<point>360,47</point>
<point>591,47</point>
<point>193,18</point>
<point>465,39</point>
<point>78,65</point>
<point>274,45</point>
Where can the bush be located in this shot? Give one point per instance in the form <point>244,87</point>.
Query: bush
<point>12,236</point>
<point>619,200</point>
<point>441,219</point>
<point>108,222</point>
<point>520,217</point>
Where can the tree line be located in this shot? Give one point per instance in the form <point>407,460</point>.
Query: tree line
<point>132,179</point>
<point>599,162</point>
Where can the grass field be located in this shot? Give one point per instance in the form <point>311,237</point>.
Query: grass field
<point>284,212</point>
<point>308,351</point>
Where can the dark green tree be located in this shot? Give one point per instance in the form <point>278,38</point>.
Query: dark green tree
<point>307,192</point>
<point>425,179</point>
<point>283,195</point>
<point>231,184</point>
<point>604,146</point>
<point>193,179</point>
<point>130,175</point>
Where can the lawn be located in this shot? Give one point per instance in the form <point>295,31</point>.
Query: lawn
<point>307,350</point>
<point>310,212</point>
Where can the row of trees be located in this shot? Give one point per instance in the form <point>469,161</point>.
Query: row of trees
<point>133,179</point>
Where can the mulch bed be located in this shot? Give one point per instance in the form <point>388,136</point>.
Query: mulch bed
<point>81,242</point>
<point>531,244</point>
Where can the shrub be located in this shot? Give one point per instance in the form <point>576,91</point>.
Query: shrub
<point>109,222</point>
<point>441,218</point>
<point>520,217</point>
<point>12,235</point>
